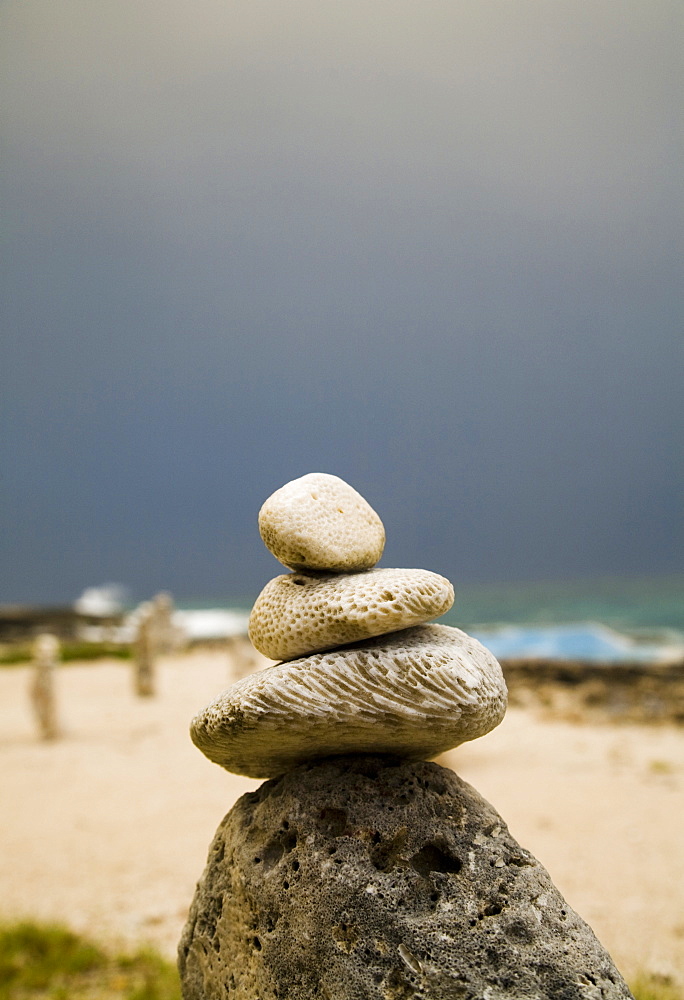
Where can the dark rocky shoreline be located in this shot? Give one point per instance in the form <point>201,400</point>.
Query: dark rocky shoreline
<point>577,690</point>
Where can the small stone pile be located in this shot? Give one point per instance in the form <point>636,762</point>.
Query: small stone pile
<point>361,870</point>
<point>361,671</point>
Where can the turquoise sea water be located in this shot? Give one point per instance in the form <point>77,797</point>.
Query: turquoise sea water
<point>621,603</point>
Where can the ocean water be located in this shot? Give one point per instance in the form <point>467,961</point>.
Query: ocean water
<point>606,620</point>
<point>648,603</point>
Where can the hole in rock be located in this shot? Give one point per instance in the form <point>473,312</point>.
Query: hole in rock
<point>432,858</point>
<point>386,855</point>
<point>333,821</point>
<point>282,843</point>
<point>290,842</point>
<point>257,943</point>
<point>272,854</point>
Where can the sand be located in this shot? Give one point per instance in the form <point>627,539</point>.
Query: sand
<point>107,828</point>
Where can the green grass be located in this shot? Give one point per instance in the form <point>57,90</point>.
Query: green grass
<point>50,962</point>
<point>69,651</point>
<point>652,987</point>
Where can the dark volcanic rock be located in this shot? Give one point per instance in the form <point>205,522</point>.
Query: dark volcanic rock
<point>361,878</point>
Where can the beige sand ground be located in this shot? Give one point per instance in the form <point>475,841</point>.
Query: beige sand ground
<point>107,829</point>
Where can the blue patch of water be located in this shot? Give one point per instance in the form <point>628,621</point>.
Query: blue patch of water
<point>582,641</point>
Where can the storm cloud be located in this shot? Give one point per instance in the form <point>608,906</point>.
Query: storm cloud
<point>433,248</point>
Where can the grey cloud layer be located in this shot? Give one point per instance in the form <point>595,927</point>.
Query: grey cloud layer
<point>430,248</point>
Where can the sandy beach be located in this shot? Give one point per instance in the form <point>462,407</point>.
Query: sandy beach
<point>107,828</point>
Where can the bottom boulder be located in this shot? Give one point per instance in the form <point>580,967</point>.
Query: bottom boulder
<point>365,878</point>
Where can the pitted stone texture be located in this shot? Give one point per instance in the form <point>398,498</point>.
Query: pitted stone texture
<point>359,879</point>
<point>319,522</point>
<point>414,694</point>
<point>296,614</point>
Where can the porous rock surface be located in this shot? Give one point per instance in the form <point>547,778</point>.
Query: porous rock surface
<point>363,878</point>
<point>296,614</point>
<point>319,522</point>
<point>414,693</point>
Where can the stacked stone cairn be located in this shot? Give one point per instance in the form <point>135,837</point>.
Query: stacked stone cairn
<point>361,871</point>
<point>145,651</point>
<point>361,670</point>
<point>42,690</point>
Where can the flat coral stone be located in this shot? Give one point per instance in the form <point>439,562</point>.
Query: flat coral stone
<point>297,614</point>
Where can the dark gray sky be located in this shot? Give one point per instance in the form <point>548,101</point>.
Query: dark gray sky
<point>434,248</point>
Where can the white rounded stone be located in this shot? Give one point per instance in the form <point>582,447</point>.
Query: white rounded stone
<point>413,694</point>
<point>319,522</point>
<point>297,614</point>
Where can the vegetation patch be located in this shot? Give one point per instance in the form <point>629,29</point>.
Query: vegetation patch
<point>50,962</point>
<point>649,986</point>
<point>18,653</point>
